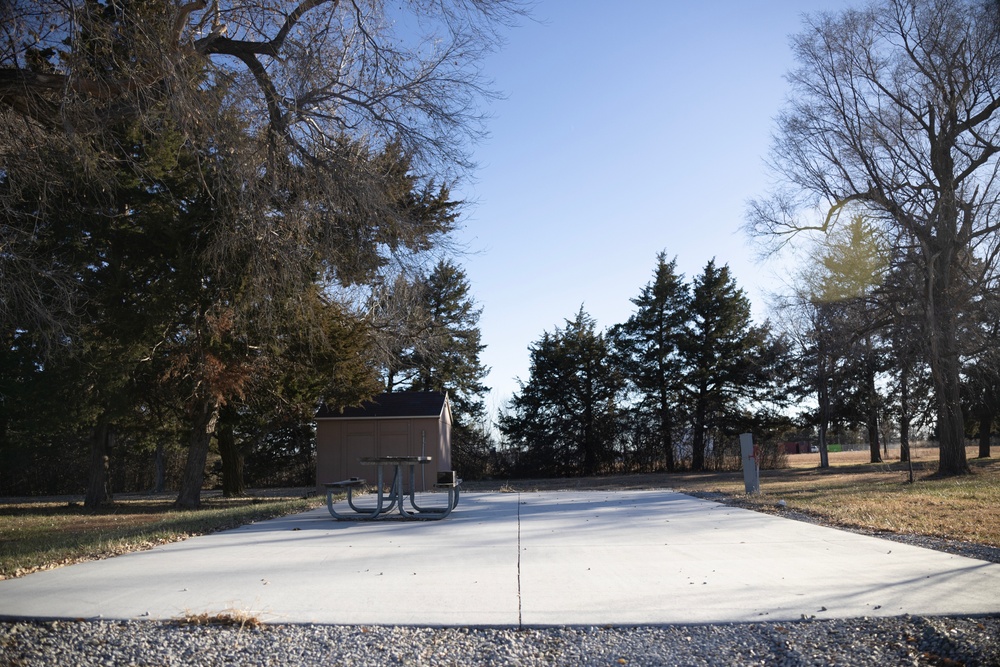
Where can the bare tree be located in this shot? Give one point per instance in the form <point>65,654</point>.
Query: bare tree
<point>854,264</point>
<point>894,114</point>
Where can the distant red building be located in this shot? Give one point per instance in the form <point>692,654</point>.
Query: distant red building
<point>800,447</point>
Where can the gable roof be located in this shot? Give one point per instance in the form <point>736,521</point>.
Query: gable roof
<point>397,404</point>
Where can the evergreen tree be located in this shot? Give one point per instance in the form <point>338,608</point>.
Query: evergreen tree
<point>725,356</point>
<point>982,388</point>
<point>449,359</point>
<point>273,422</point>
<point>429,340</point>
<point>564,420</point>
<point>298,177</point>
<point>852,267</point>
<point>912,389</point>
<point>648,347</point>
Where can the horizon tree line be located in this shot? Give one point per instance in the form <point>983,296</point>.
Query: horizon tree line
<point>674,386</point>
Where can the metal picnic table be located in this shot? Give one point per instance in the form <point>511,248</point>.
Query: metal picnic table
<point>385,503</point>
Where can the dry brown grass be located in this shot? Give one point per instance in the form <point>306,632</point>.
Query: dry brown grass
<point>880,497</point>
<point>38,534</point>
<point>233,619</point>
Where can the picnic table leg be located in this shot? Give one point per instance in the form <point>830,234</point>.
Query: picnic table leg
<point>432,513</point>
<point>380,507</point>
<point>397,484</point>
<point>413,485</point>
<point>452,501</point>
<point>397,487</point>
<point>451,504</point>
<point>430,510</point>
<point>361,515</point>
<point>429,513</point>
<point>402,510</point>
<point>413,500</point>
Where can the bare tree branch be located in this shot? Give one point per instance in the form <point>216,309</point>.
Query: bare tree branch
<point>896,113</point>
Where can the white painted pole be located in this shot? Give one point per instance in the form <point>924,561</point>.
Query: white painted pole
<point>751,464</point>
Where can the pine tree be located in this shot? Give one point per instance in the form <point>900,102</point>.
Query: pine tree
<point>449,359</point>
<point>722,353</point>
<point>648,349</point>
<point>302,166</point>
<point>564,420</point>
<point>853,263</point>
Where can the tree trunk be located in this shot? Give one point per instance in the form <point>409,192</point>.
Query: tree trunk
<point>985,427</point>
<point>233,485</point>
<point>872,421</point>
<point>904,413</point>
<point>947,390</point>
<point>951,431</point>
<point>667,439</point>
<point>874,449</point>
<point>942,282</point>
<point>202,428</point>
<point>159,469</point>
<point>824,453</point>
<point>698,444</point>
<point>823,398</point>
<point>101,443</point>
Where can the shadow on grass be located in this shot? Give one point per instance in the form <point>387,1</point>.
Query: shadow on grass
<point>26,507</point>
<point>36,537</point>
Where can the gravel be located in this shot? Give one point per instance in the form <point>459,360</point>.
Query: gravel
<point>906,640</point>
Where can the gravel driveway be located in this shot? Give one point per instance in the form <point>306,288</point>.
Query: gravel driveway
<point>942,642</point>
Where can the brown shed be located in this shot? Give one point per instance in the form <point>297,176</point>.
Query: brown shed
<point>405,423</point>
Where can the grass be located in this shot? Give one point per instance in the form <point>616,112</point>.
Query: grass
<point>43,533</point>
<point>879,497</point>
<point>233,619</point>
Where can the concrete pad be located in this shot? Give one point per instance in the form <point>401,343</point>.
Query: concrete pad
<point>305,568</point>
<point>552,558</point>
<point>656,557</point>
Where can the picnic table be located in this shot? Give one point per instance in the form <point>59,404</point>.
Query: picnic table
<point>386,503</point>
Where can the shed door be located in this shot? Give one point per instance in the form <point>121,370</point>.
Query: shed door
<point>359,442</point>
<point>394,438</point>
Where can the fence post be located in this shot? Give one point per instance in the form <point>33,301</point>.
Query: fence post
<point>751,464</point>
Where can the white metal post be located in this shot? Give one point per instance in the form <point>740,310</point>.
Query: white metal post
<point>751,464</point>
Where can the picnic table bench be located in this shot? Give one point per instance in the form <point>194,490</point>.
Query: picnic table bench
<point>385,503</point>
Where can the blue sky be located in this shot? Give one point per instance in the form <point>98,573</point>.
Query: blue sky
<point>626,129</point>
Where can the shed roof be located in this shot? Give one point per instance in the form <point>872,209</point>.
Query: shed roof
<point>396,404</point>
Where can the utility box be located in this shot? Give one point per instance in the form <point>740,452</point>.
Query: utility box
<point>751,464</point>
